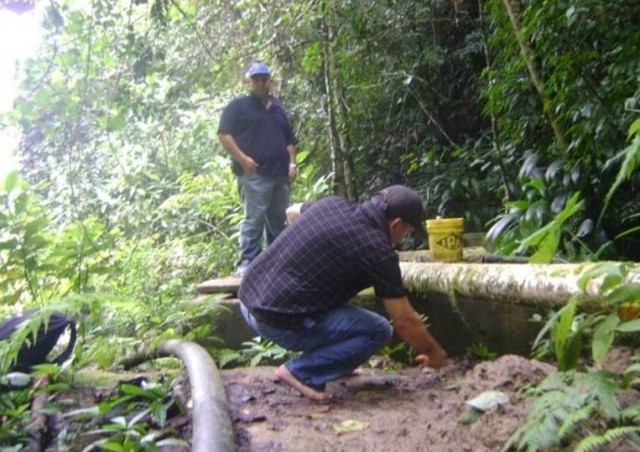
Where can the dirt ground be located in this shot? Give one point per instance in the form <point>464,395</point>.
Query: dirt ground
<point>411,409</point>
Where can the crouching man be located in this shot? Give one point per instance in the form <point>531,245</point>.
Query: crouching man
<point>296,293</point>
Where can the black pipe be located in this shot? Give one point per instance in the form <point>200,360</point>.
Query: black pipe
<point>495,259</point>
<point>212,428</point>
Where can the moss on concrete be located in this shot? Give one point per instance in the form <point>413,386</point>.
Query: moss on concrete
<point>543,285</point>
<point>97,378</point>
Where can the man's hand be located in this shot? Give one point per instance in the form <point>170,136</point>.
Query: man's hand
<point>293,170</point>
<point>229,144</point>
<point>436,360</point>
<point>410,328</point>
<point>248,164</point>
<point>293,212</point>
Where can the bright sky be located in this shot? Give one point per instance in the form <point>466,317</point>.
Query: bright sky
<point>19,38</point>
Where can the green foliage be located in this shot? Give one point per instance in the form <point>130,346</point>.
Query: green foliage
<point>481,351</point>
<point>257,351</point>
<point>567,337</point>
<point>599,441</point>
<point>39,260</point>
<point>630,157</point>
<point>563,329</point>
<point>562,401</point>
<point>260,351</point>
<point>574,407</point>
<point>120,329</point>
<point>616,292</point>
<point>309,184</point>
<point>581,405</point>
<point>395,354</point>
<point>15,405</point>
<point>603,337</point>
<point>578,46</point>
<point>547,239</point>
<point>567,328</point>
<point>133,419</point>
<point>16,415</point>
<point>545,222</point>
<point>132,202</point>
<point>140,283</point>
<point>119,111</point>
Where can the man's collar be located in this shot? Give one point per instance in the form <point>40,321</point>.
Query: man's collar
<point>376,217</point>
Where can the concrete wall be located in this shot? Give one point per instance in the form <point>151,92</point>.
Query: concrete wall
<point>502,328</point>
<point>470,303</point>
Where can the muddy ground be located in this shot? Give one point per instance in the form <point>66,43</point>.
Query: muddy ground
<point>411,409</point>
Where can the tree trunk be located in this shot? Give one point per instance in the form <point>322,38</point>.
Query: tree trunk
<point>347,159</point>
<point>336,149</point>
<point>342,165</point>
<point>513,9</point>
<point>494,120</point>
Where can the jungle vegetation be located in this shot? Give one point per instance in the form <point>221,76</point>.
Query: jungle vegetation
<point>520,116</point>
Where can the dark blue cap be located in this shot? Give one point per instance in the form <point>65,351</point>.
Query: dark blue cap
<point>398,201</point>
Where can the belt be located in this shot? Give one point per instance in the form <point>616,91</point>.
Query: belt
<point>279,320</point>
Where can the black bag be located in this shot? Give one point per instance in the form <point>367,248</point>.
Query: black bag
<point>36,352</point>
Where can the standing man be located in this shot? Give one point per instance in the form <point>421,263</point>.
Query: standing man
<point>255,130</point>
<point>296,293</point>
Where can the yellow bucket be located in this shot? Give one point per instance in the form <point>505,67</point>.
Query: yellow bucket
<point>445,239</point>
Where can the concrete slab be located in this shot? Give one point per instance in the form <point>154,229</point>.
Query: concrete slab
<point>228,285</point>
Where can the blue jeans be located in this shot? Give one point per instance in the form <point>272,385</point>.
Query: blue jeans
<point>332,345</point>
<point>265,200</point>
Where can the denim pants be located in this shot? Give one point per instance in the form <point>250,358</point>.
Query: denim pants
<point>332,345</point>
<point>265,200</point>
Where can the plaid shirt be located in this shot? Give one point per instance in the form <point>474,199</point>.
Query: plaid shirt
<point>335,249</point>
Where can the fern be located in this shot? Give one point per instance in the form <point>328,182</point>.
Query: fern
<point>589,399</point>
<point>575,418</point>
<point>631,414</point>
<point>562,401</point>
<point>601,387</point>
<point>597,441</point>
<point>556,402</point>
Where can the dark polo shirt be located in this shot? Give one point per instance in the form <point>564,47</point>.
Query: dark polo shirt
<point>263,134</point>
<point>332,251</point>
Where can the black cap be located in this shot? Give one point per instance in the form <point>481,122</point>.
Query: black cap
<point>399,201</point>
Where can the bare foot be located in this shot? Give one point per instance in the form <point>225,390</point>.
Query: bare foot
<point>287,378</point>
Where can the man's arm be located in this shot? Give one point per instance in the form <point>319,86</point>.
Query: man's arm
<point>293,167</point>
<point>229,144</point>
<point>293,212</point>
<point>410,328</point>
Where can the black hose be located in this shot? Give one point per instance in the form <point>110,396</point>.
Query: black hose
<point>212,428</point>
<point>494,259</point>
